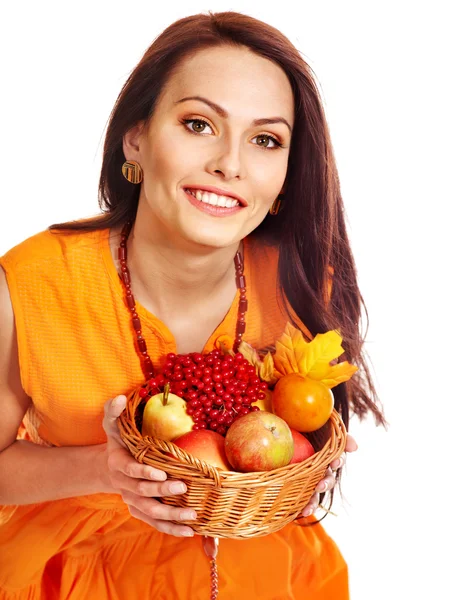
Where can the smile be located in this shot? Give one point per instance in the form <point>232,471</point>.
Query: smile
<point>212,204</point>
<point>213,199</point>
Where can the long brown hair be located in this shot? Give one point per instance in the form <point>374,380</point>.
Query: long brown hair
<point>309,231</point>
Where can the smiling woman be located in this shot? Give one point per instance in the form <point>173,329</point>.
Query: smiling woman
<point>218,173</point>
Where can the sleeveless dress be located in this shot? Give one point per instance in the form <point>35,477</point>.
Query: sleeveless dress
<point>76,351</point>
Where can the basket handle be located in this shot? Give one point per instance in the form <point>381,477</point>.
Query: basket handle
<point>163,448</point>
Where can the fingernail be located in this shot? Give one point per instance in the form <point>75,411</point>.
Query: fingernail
<point>322,486</point>
<point>117,400</point>
<point>177,488</point>
<point>188,532</point>
<point>306,513</point>
<point>186,515</point>
<point>156,475</point>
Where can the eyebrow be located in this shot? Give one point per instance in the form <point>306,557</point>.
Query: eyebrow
<point>223,113</point>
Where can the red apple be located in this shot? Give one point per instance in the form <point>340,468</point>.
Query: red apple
<point>259,441</point>
<point>206,445</point>
<point>303,448</point>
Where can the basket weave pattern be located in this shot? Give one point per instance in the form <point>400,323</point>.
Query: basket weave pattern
<point>231,504</point>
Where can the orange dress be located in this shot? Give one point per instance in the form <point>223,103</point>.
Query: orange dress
<point>76,351</point>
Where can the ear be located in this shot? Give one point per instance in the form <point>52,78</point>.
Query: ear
<point>131,142</point>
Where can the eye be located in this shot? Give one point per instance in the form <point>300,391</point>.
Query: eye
<point>270,138</point>
<point>198,126</point>
<point>195,124</point>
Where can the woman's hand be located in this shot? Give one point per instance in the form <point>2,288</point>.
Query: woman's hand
<point>329,481</point>
<point>140,485</point>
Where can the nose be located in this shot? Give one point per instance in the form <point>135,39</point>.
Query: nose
<point>227,160</point>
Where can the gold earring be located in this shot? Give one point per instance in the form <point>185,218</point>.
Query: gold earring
<point>275,206</point>
<point>132,171</point>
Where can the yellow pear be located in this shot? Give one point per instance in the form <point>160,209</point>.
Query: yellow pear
<point>266,403</point>
<point>165,416</point>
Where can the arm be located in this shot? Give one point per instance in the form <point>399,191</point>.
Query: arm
<point>30,473</point>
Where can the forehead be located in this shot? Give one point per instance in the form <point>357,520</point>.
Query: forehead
<point>245,84</point>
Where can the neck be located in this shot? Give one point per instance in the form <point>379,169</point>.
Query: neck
<point>169,277</point>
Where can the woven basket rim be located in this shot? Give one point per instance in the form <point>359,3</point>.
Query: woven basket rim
<point>187,465</point>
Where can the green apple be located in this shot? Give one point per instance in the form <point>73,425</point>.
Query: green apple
<point>165,416</point>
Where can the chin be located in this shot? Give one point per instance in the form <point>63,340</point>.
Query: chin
<point>214,237</point>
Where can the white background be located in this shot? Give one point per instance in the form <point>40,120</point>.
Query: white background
<point>383,68</point>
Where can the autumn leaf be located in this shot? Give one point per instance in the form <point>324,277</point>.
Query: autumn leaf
<point>249,353</point>
<point>264,368</point>
<point>288,351</point>
<point>267,369</point>
<point>312,359</point>
<point>324,348</point>
<point>339,373</point>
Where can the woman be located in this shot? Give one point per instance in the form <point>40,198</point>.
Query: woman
<point>219,102</point>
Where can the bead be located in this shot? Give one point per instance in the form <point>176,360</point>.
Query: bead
<point>126,278</point>
<point>240,327</point>
<point>240,281</point>
<point>238,260</point>
<point>123,268</point>
<point>122,253</point>
<point>243,305</point>
<point>130,300</point>
<point>142,345</point>
<point>136,323</point>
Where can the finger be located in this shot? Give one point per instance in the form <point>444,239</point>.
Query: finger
<point>163,526</point>
<point>156,510</point>
<point>338,463</point>
<point>350,445</point>
<point>327,483</point>
<point>120,461</point>
<point>113,408</point>
<point>147,489</point>
<point>311,506</point>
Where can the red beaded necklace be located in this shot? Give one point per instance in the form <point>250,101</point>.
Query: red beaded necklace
<point>146,361</point>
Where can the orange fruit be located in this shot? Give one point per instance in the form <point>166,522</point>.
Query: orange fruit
<point>305,404</point>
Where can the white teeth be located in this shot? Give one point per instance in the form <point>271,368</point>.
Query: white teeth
<point>214,199</point>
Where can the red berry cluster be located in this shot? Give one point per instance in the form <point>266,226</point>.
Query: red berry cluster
<point>218,388</point>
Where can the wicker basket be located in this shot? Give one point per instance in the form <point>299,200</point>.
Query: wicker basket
<point>231,504</point>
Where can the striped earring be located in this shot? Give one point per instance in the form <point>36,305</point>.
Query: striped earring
<point>132,171</point>
<point>274,209</point>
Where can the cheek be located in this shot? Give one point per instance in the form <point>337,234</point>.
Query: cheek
<point>164,158</point>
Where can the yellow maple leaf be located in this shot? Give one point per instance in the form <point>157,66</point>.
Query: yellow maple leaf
<point>339,373</point>
<point>288,351</point>
<point>312,359</point>
<point>324,348</point>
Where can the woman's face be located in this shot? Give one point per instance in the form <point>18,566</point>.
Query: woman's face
<point>216,141</point>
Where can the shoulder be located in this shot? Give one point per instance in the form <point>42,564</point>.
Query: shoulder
<point>48,246</point>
